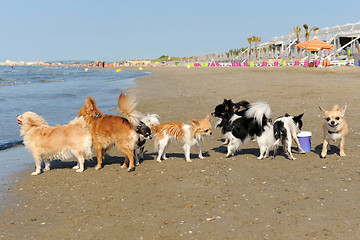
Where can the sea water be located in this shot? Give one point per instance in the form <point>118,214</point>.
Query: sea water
<point>55,93</point>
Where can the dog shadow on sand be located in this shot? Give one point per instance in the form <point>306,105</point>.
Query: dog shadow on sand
<point>256,151</point>
<point>89,163</point>
<point>151,156</point>
<point>180,155</point>
<point>334,150</point>
<point>113,159</point>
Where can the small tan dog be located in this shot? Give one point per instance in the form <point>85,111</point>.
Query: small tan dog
<point>59,142</point>
<point>335,128</point>
<point>189,134</point>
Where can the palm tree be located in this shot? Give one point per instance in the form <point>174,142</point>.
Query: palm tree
<point>256,40</point>
<point>297,31</point>
<point>307,31</point>
<point>250,41</point>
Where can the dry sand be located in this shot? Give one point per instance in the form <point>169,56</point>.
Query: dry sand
<point>217,197</point>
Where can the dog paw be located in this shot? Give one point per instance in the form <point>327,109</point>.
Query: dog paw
<point>35,173</point>
<point>80,170</point>
<point>323,155</point>
<point>201,157</point>
<point>124,166</point>
<point>131,169</point>
<point>189,160</point>
<point>302,152</point>
<point>259,158</point>
<point>76,167</point>
<point>97,167</point>
<point>342,154</point>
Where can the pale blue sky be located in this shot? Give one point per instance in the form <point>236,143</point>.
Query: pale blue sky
<point>114,30</point>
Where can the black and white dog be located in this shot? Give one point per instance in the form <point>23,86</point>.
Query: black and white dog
<point>285,129</point>
<point>143,128</point>
<point>242,121</point>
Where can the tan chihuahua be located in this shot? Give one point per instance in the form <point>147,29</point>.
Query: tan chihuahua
<point>335,128</point>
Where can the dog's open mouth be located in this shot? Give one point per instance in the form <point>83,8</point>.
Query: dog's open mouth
<point>19,121</point>
<point>333,125</point>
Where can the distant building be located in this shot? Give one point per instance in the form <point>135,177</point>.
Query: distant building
<point>342,37</point>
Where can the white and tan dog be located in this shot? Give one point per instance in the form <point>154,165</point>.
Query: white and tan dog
<point>189,134</point>
<point>59,142</point>
<point>335,128</point>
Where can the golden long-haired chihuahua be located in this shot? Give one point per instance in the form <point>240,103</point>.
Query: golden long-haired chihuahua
<point>59,142</point>
<point>189,134</point>
<point>109,130</point>
<point>335,128</point>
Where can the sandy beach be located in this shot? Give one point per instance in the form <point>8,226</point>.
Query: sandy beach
<point>215,197</point>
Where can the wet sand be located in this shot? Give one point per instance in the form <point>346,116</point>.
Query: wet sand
<point>212,198</point>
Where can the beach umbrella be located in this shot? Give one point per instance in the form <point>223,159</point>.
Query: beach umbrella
<point>314,45</point>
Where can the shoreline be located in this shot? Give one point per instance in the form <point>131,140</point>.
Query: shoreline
<point>242,196</point>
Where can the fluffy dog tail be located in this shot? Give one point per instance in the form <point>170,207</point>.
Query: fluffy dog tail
<point>260,111</point>
<point>127,107</point>
<point>151,120</point>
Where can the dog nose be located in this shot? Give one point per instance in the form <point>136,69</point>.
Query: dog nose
<point>332,122</point>
<point>150,137</point>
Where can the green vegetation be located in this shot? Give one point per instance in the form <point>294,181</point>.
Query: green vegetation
<point>308,31</point>
<point>297,31</point>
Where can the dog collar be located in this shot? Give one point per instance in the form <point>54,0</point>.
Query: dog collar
<point>97,115</point>
<point>330,132</point>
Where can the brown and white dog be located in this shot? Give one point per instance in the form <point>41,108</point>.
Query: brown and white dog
<point>109,130</point>
<point>59,142</point>
<point>189,134</point>
<point>335,128</point>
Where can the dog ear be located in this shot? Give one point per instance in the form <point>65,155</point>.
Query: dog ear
<point>194,122</point>
<point>287,115</point>
<point>228,105</point>
<point>323,110</point>
<point>35,120</point>
<point>208,116</point>
<point>89,105</point>
<point>300,116</point>
<point>342,110</point>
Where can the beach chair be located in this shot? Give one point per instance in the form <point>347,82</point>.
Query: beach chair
<point>284,63</point>
<point>252,64</point>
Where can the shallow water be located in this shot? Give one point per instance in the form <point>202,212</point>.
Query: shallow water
<point>55,93</point>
